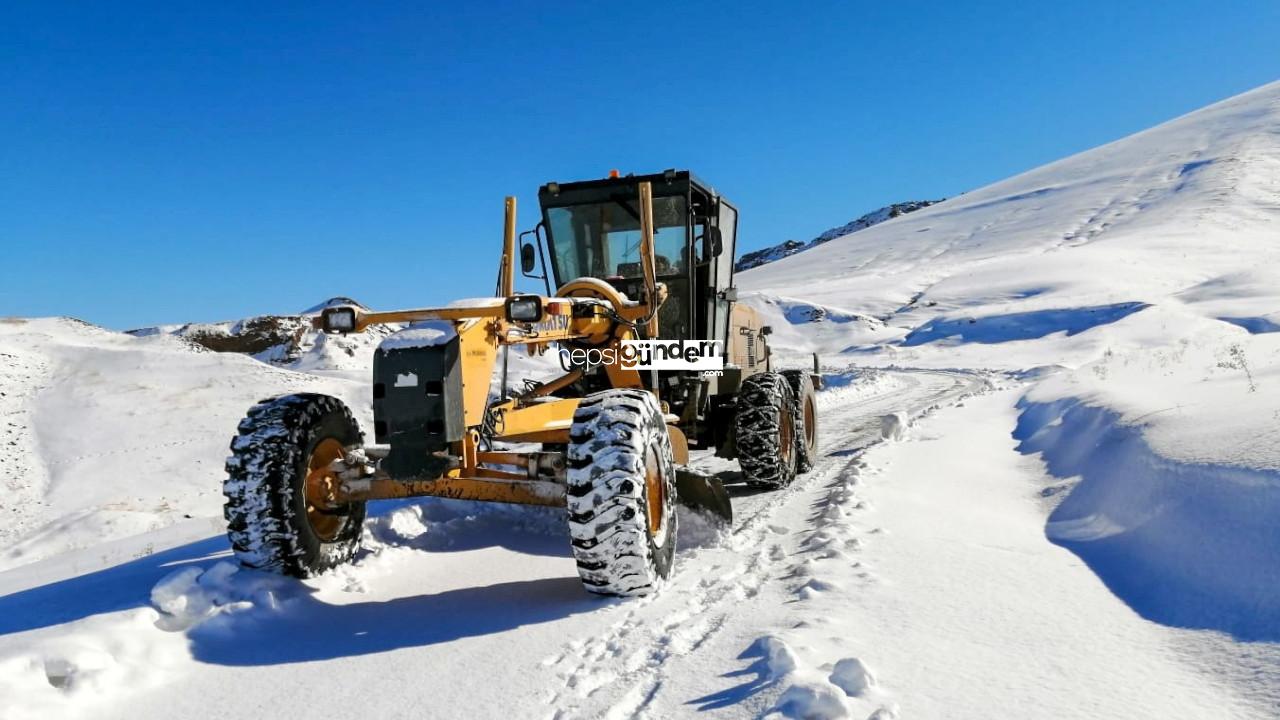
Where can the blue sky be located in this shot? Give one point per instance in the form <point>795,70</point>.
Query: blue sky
<point>166,162</point>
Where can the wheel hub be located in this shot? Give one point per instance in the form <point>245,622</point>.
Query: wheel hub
<point>786,436</point>
<point>319,488</point>
<point>810,424</point>
<point>655,489</point>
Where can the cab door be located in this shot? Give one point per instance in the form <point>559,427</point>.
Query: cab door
<point>722,272</point>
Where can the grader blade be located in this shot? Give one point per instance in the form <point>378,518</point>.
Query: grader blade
<point>702,492</point>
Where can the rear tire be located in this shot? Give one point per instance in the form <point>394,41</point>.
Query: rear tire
<point>270,522</point>
<point>621,493</point>
<point>806,410</point>
<point>766,430</point>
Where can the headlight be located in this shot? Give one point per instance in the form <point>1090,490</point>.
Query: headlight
<point>524,308</point>
<point>338,320</point>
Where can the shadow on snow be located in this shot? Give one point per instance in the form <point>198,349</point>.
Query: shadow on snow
<point>1259,325</point>
<point>312,629</point>
<point>759,674</point>
<point>1187,545</point>
<point>1019,326</point>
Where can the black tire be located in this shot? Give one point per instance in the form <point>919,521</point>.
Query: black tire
<point>267,515</point>
<point>619,441</point>
<point>806,410</point>
<point>765,426</point>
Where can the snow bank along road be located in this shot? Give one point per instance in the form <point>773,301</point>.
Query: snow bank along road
<point>903,579</point>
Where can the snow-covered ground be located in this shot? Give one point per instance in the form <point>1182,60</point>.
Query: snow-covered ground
<point>1049,488</point>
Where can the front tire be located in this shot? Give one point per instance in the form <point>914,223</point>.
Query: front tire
<point>765,424</point>
<point>621,493</point>
<point>277,469</point>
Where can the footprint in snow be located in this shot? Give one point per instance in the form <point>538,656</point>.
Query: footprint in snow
<point>836,554</point>
<point>804,569</point>
<point>822,537</point>
<point>814,588</point>
<point>841,495</point>
<point>59,673</point>
<point>812,701</point>
<point>852,676</point>
<point>894,426</point>
<point>774,657</point>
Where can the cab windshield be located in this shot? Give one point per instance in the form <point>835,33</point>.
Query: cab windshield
<point>602,240</point>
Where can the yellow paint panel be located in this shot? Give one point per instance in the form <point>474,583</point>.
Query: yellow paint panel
<point>479,350</point>
<point>540,422</point>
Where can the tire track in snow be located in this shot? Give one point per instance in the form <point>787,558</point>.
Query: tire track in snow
<point>711,582</point>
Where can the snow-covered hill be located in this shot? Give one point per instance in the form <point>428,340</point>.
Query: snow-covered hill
<point>1150,266</point>
<point>1049,488</point>
<point>787,248</point>
<point>1139,285</point>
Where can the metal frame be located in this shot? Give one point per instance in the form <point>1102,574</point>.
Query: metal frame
<point>473,472</point>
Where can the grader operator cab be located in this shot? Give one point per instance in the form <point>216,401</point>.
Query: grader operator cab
<point>657,357</point>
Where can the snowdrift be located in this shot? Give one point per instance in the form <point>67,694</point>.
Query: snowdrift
<point>1185,544</point>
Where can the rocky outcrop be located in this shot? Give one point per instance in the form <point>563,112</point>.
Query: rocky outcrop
<point>791,247</point>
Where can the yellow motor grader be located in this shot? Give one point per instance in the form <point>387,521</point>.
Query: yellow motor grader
<point>657,357</point>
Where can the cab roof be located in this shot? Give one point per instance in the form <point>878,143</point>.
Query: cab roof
<point>668,182</point>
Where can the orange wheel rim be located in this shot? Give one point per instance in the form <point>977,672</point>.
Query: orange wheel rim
<point>786,435</point>
<point>318,490</point>
<point>810,414</point>
<point>655,491</point>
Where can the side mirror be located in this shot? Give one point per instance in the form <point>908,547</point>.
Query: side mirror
<point>528,258</point>
<point>713,243</point>
<point>766,330</point>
